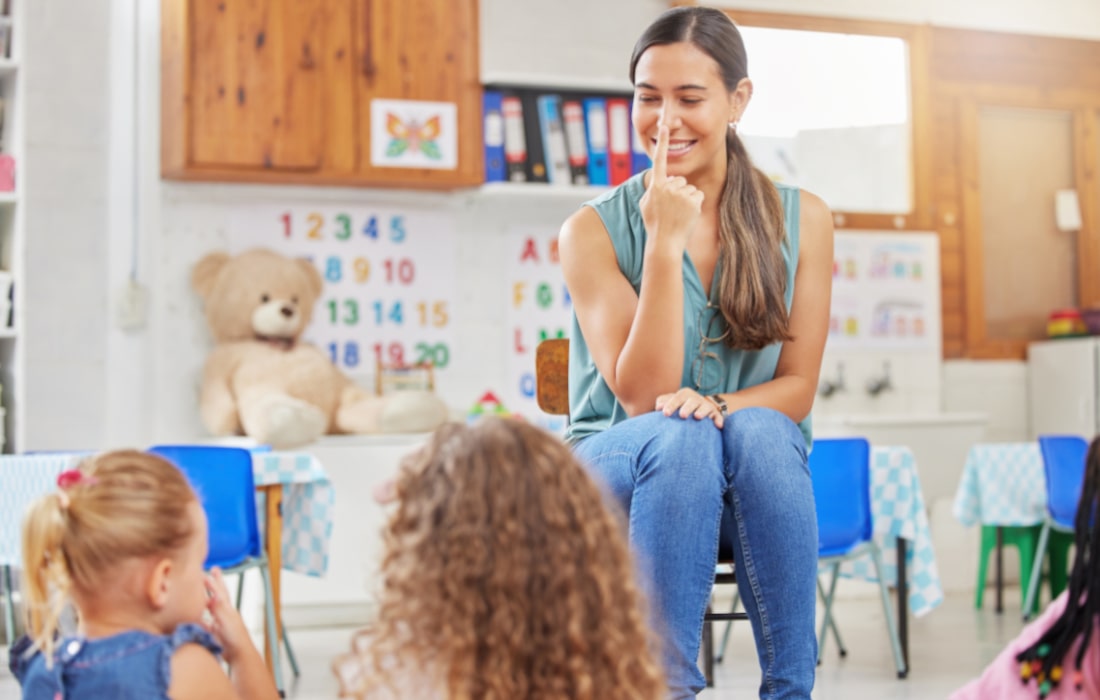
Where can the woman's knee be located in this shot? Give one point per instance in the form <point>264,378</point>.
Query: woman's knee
<point>758,426</point>
<point>763,435</point>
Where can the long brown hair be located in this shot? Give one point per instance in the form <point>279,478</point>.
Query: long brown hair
<point>123,504</point>
<point>752,281</point>
<point>505,577</point>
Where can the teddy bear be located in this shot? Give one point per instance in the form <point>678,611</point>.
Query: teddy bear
<point>262,381</point>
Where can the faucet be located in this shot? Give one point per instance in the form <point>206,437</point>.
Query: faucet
<point>831,386</point>
<point>877,385</point>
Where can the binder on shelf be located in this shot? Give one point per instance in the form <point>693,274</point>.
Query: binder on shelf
<point>532,129</point>
<point>595,116</point>
<point>572,115</point>
<point>515,143</point>
<point>639,159</point>
<point>618,145</point>
<point>493,133</point>
<point>553,140</point>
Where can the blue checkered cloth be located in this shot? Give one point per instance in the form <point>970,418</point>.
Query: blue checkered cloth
<point>897,506</point>
<point>308,499</point>
<point>1002,484</point>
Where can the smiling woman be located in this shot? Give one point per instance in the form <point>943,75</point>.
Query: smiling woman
<point>700,298</point>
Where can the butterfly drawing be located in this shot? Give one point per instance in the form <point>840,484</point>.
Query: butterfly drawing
<point>412,136</point>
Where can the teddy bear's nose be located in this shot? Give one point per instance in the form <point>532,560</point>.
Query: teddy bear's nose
<point>286,311</point>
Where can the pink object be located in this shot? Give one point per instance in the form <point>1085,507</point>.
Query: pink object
<point>7,173</point>
<point>1001,679</point>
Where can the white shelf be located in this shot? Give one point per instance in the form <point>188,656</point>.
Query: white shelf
<point>565,83</point>
<point>7,332</point>
<point>538,190</point>
<point>9,197</point>
<point>8,66</point>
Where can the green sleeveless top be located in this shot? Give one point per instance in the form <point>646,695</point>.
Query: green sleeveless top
<point>709,367</point>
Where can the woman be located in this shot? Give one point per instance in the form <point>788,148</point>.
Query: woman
<point>701,301</point>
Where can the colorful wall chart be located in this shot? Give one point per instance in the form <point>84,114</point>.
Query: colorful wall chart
<point>389,278</point>
<point>538,308</point>
<point>886,291</point>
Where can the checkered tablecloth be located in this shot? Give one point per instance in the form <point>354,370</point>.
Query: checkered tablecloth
<point>897,506</point>
<point>308,500</point>
<point>1002,484</point>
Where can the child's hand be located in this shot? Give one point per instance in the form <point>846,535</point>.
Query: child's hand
<point>226,623</point>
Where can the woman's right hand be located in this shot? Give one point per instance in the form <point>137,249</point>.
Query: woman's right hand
<point>670,206</point>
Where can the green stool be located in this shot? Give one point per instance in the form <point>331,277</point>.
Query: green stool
<point>1026,539</point>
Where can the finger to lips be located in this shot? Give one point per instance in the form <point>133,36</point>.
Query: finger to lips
<point>660,155</point>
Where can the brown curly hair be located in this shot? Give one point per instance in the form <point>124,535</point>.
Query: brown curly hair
<point>506,576</point>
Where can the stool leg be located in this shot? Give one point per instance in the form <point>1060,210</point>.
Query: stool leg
<point>988,540</point>
<point>1058,560</point>
<point>1025,545</point>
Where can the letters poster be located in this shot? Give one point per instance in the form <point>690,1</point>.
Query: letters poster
<point>538,308</point>
<point>886,291</point>
<point>389,278</point>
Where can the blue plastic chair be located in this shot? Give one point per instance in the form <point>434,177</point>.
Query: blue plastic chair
<point>1064,470</point>
<point>841,472</point>
<point>222,478</point>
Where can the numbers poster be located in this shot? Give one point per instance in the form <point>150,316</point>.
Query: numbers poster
<point>538,308</point>
<point>389,277</point>
<point>886,292</point>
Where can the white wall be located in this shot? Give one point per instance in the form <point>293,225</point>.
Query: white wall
<point>89,384</point>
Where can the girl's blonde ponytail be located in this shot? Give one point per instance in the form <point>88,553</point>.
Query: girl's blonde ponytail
<point>46,578</point>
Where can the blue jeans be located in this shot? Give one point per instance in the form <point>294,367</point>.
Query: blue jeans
<point>673,477</point>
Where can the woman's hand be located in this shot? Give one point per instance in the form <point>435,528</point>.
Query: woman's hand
<point>226,624</point>
<point>670,206</point>
<point>688,403</point>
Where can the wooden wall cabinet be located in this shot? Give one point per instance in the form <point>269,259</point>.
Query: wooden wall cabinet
<point>281,90</point>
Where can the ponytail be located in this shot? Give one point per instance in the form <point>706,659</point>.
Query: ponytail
<point>46,578</point>
<point>752,283</point>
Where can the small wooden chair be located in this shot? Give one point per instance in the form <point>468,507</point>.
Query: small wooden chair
<point>552,394</point>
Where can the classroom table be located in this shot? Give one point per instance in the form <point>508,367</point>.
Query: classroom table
<point>1002,485</point>
<point>902,532</point>
<point>294,493</point>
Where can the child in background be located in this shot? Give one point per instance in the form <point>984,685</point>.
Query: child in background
<point>1058,655</point>
<point>124,539</point>
<point>505,576</point>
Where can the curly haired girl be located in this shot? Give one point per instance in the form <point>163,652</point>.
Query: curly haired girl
<point>123,538</point>
<point>505,577</point>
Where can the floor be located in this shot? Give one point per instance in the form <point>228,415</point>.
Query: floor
<point>947,647</point>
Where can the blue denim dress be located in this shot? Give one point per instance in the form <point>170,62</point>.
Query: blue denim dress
<point>126,666</point>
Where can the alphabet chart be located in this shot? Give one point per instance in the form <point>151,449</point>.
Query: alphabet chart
<point>389,277</point>
<point>538,308</point>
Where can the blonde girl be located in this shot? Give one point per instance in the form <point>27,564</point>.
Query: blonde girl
<point>505,577</point>
<point>123,540</point>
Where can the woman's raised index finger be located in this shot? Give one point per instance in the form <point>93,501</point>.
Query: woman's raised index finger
<point>660,156</point>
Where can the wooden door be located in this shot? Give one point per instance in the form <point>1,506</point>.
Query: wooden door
<point>420,50</point>
<point>258,86</point>
<point>1017,152</point>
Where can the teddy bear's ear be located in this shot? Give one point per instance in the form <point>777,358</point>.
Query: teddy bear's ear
<point>205,273</point>
<point>316,284</point>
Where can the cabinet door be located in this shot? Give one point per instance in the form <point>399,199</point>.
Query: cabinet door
<point>420,50</point>
<point>270,85</point>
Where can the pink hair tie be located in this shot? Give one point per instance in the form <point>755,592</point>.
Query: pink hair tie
<point>67,479</point>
